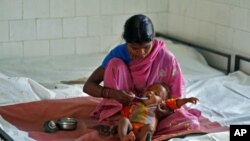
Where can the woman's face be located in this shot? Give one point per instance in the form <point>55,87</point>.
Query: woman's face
<point>138,51</point>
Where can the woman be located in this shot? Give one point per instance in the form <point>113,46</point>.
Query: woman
<point>133,66</point>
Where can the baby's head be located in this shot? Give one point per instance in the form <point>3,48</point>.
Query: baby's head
<point>156,93</point>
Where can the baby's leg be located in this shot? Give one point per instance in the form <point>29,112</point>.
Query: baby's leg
<point>125,130</point>
<point>145,133</point>
<point>129,137</point>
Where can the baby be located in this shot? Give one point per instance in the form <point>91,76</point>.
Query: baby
<point>138,119</point>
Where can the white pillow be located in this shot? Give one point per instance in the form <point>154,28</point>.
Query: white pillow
<point>193,64</point>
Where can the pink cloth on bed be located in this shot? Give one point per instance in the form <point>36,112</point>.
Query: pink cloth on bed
<point>159,66</point>
<point>31,116</point>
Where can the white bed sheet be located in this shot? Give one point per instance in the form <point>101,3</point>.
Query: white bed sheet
<point>223,99</point>
<point>15,90</point>
<point>218,136</point>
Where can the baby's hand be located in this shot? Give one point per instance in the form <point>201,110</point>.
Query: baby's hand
<point>193,100</point>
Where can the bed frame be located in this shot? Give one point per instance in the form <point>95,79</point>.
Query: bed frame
<point>4,136</point>
<point>206,52</point>
<point>239,59</point>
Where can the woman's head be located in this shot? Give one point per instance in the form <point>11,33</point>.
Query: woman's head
<point>138,29</point>
<point>138,34</point>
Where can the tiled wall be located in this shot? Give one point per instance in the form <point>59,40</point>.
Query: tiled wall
<point>31,28</point>
<point>220,24</point>
<point>57,27</point>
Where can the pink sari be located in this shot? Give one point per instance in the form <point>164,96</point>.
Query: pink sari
<point>160,66</point>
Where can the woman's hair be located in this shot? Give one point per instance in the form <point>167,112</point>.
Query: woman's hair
<point>138,29</point>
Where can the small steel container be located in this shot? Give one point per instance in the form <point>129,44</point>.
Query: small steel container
<point>50,126</point>
<point>66,123</point>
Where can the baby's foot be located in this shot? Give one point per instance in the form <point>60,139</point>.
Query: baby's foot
<point>129,137</point>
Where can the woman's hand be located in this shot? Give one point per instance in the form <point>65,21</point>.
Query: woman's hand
<point>122,96</point>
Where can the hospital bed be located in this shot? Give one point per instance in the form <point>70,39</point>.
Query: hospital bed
<point>29,84</point>
<point>241,64</point>
<point>224,99</point>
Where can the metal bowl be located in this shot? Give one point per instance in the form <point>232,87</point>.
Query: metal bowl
<point>67,123</point>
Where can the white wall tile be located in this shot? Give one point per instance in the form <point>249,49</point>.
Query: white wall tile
<point>175,25</point>
<point>99,25</point>
<point>10,9</point>
<point>157,5</point>
<point>234,2</point>
<point>239,18</point>
<point>138,6</point>
<point>87,7</point>
<point>22,30</point>
<point>111,7</point>
<point>190,30</point>
<point>118,23</point>
<point>188,8</point>
<point>248,21</point>
<point>221,14</point>
<point>11,50</point>
<point>206,34</point>
<point>204,10</point>
<point>62,8</point>
<point>224,36</point>
<point>244,3</point>
<point>109,42</point>
<point>62,47</point>
<point>4,31</point>
<point>87,45</point>
<point>174,6</point>
<point>241,41</point>
<point>35,9</point>
<point>75,27</point>
<point>36,48</point>
<point>49,28</point>
<point>159,21</point>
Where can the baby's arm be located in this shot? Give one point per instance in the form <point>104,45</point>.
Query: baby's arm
<point>183,101</point>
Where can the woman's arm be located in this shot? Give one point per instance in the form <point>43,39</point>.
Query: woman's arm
<point>92,86</point>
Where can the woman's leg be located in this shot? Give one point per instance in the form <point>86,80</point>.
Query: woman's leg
<point>117,75</point>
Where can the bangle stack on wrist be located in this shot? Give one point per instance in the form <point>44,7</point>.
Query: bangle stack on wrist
<point>105,92</point>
